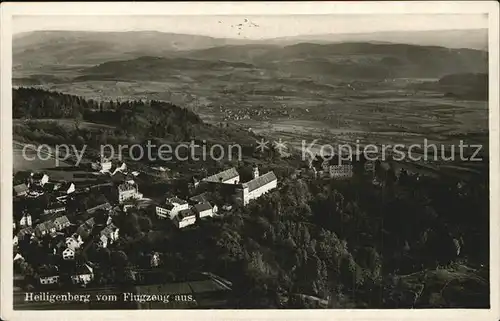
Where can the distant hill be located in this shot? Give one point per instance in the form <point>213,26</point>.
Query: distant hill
<point>466,86</point>
<point>346,60</point>
<point>368,60</point>
<point>154,68</point>
<point>469,38</point>
<point>88,48</point>
<point>32,50</point>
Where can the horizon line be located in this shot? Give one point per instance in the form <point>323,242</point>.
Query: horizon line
<point>236,38</point>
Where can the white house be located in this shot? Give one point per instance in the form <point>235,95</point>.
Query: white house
<point>256,187</point>
<point>49,279</point>
<point>25,220</point>
<point>74,241</point>
<point>184,218</point>
<point>15,240</point>
<point>127,191</point>
<point>108,235</point>
<point>171,207</point>
<point>49,275</point>
<point>61,223</point>
<point>54,209</point>
<point>83,274</point>
<point>229,176</point>
<point>68,254</point>
<point>204,209</point>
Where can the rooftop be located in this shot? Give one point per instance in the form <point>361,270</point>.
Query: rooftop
<point>108,229</point>
<point>176,200</point>
<point>168,206</point>
<point>223,176</point>
<point>203,207</point>
<point>126,187</point>
<point>62,220</point>
<point>201,198</point>
<point>46,271</point>
<point>20,188</point>
<point>185,213</point>
<point>260,181</point>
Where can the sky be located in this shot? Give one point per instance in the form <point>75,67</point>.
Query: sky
<point>267,26</point>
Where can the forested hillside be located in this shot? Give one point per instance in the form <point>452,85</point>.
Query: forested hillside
<point>140,119</point>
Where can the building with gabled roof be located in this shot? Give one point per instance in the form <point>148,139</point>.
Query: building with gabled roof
<point>255,188</point>
<point>82,274</point>
<point>85,228</point>
<point>61,222</point>
<point>48,275</point>
<point>127,191</point>
<point>171,207</point>
<point>200,198</point>
<point>229,176</point>
<point>55,208</point>
<point>108,235</point>
<point>26,220</point>
<point>100,203</point>
<point>184,218</point>
<point>45,228</point>
<point>204,209</point>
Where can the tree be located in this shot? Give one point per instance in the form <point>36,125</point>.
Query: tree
<point>119,259</point>
<point>145,224</point>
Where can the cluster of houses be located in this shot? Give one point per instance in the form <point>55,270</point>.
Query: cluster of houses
<point>183,213</point>
<point>68,237</point>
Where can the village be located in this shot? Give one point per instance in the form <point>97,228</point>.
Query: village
<point>63,221</point>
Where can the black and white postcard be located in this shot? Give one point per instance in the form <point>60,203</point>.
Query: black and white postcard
<point>250,161</point>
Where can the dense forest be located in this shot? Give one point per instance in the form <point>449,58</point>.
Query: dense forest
<point>125,121</point>
<point>156,118</point>
<point>412,244</point>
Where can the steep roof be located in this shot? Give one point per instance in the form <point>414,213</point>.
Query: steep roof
<point>223,176</point>
<point>62,220</point>
<point>45,226</point>
<point>260,181</point>
<point>200,198</point>
<point>108,230</point>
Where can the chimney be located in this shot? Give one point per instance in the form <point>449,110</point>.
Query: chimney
<point>255,171</point>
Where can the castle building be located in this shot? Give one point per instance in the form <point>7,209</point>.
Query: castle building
<point>256,187</point>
